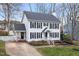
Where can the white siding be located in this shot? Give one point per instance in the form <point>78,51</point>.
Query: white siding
<point>28,30</point>
<point>40,30</point>
<point>27,25</point>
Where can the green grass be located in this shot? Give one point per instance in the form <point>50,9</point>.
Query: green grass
<point>2,48</point>
<point>60,51</point>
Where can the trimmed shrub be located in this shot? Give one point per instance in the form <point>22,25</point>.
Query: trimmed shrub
<point>61,36</point>
<point>67,38</point>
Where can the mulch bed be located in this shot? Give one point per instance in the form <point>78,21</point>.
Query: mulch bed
<point>39,43</point>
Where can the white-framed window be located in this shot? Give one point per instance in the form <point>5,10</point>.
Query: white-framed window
<point>39,35</point>
<point>54,26</point>
<point>54,35</point>
<point>39,24</point>
<point>45,24</point>
<point>35,35</point>
<point>32,24</point>
<point>32,35</point>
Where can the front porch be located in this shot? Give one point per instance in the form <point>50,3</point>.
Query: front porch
<point>21,35</point>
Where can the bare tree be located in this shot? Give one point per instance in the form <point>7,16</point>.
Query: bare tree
<point>52,8</point>
<point>41,8</point>
<point>30,7</point>
<point>72,10</point>
<point>9,12</point>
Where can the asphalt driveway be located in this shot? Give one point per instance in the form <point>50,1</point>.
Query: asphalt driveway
<point>20,49</point>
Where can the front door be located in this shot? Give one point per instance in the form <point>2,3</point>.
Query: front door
<point>46,34</point>
<point>22,35</point>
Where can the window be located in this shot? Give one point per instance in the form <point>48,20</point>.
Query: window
<point>52,26</point>
<point>50,34</point>
<point>32,24</point>
<point>39,35</point>
<point>32,35</point>
<point>54,35</point>
<point>39,25</point>
<point>45,24</point>
<point>35,35</point>
<point>35,25</point>
<point>56,26</point>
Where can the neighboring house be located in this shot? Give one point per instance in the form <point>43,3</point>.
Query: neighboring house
<point>38,26</point>
<point>16,28</point>
<point>13,22</point>
<point>4,23</point>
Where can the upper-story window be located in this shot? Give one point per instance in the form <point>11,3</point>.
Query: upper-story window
<point>39,25</point>
<point>54,26</point>
<point>35,25</point>
<point>32,24</point>
<point>45,24</point>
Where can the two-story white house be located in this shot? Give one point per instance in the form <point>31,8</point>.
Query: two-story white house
<point>37,27</point>
<point>40,26</point>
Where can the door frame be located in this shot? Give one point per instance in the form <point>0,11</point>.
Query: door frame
<point>22,35</point>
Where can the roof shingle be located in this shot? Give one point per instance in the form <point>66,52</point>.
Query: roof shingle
<point>19,27</point>
<point>40,16</point>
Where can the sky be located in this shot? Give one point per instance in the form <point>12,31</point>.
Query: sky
<point>33,6</point>
<point>25,6</point>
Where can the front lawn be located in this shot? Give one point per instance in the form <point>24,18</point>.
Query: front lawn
<point>2,48</point>
<point>60,51</point>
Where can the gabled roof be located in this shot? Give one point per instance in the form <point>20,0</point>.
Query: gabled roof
<point>19,27</point>
<point>40,16</point>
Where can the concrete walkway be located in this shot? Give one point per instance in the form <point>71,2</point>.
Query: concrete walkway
<point>20,49</point>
